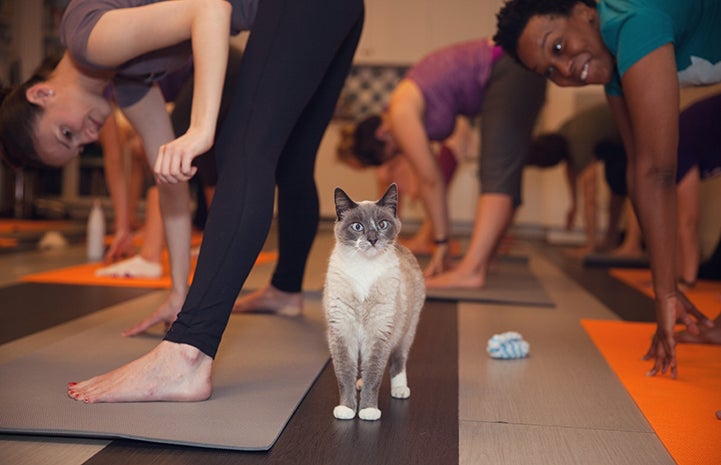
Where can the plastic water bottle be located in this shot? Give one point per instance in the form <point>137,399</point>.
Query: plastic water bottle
<point>96,232</point>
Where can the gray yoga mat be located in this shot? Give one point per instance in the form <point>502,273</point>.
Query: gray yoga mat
<point>512,283</point>
<point>265,366</point>
<point>602,260</point>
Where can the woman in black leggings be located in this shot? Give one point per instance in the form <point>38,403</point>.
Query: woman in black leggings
<point>294,66</point>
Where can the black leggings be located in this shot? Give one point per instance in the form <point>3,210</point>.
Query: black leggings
<point>294,67</point>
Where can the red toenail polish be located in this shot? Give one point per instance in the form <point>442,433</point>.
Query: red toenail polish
<point>71,384</point>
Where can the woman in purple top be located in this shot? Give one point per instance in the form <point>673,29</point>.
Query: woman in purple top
<point>466,79</point>
<point>294,66</point>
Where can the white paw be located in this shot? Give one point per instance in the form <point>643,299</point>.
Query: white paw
<point>401,392</point>
<point>369,413</point>
<point>342,412</point>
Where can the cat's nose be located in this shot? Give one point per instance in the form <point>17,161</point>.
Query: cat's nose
<point>373,241</point>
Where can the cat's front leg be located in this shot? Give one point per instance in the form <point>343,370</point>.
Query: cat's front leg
<point>346,372</point>
<point>373,364</point>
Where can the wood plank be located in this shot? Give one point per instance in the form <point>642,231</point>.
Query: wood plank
<point>420,430</point>
<point>543,445</point>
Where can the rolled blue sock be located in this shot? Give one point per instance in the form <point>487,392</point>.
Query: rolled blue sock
<point>508,345</point>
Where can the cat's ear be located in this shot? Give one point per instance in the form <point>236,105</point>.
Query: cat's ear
<point>343,203</point>
<point>390,198</point>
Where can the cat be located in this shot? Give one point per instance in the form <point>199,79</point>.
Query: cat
<point>373,296</point>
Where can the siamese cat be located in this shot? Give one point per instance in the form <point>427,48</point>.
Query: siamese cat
<point>373,295</point>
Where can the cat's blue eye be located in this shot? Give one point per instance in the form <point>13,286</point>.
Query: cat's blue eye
<point>383,225</point>
<point>357,227</point>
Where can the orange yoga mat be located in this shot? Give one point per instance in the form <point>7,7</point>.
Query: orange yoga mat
<point>706,295</point>
<point>85,275</point>
<point>16,226</point>
<point>681,411</point>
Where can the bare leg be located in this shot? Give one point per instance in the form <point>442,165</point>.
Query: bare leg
<point>615,207</point>
<point>631,246</point>
<point>688,218</point>
<point>494,213</point>
<point>138,168</point>
<point>270,299</point>
<point>153,239</point>
<point>153,245</point>
<point>170,372</point>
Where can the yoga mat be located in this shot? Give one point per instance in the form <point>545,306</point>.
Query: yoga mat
<point>85,275</point>
<point>706,295</point>
<point>264,368</point>
<point>681,411</point>
<point>511,283</point>
<point>607,260</point>
<point>37,226</point>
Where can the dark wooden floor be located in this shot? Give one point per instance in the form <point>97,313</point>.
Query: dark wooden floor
<point>406,434</point>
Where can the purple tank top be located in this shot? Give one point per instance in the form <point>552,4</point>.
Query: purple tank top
<point>453,81</point>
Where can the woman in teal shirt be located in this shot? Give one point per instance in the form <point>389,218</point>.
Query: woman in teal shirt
<point>642,51</point>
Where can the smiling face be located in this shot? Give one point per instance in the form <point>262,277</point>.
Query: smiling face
<point>69,121</point>
<point>567,50</point>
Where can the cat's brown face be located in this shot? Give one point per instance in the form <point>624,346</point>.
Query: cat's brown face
<point>368,227</point>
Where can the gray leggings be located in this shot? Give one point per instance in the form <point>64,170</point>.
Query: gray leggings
<point>513,99</point>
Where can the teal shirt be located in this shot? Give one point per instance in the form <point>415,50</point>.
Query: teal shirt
<point>632,29</point>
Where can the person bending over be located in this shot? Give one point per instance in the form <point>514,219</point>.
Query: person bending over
<point>470,78</point>
<point>642,51</point>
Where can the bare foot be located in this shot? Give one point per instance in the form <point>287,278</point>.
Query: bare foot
<point>166,314</point>
<point>170,372</point>
<point>270,299</point>
<point>705,335</point>
<point>456,279</point>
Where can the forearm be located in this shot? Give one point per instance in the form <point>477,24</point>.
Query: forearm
<point>654,200</point>
<point>210,39</point>
<point>434,202</point>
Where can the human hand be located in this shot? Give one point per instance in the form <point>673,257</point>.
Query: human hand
<point>121,247</point>
<point>671,309</point>
<point>439,261</point>
<point>166,314</point>
<point>174,161</point>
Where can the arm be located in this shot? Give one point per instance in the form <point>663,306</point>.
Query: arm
<point>405,117</point>
<point>152,122</point>
<point>647,117</point>
<point>126,33</point>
